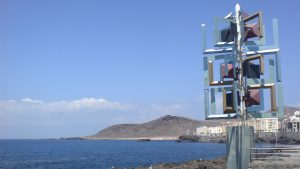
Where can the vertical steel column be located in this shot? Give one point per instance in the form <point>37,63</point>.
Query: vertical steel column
<point>239,39</point>
<point>239,143</point>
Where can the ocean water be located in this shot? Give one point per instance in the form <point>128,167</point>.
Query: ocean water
<point>101,154</point>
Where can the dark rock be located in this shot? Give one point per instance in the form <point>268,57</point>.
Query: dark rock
<point>219,163</point>
<point>143,140</point>
<point>282,137</point>
<point>72,138</point>
<point>194,138</point>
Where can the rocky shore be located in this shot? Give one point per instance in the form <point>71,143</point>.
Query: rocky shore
<point>282,138</point>
<point>203,139</point>
<point>219,163</point>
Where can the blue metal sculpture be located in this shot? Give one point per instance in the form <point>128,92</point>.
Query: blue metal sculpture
<point>243,55</point>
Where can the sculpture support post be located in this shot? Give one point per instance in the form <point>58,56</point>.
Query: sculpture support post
<point>239,143</point>
<point>239,138</point>
<point>239,39</point>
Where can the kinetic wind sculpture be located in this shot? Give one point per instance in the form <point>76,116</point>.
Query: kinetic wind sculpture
<point>241,56</point>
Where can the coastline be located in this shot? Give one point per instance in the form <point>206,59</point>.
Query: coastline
<point>287,138</point>
<point>174,138</point>
<point>218,163</point>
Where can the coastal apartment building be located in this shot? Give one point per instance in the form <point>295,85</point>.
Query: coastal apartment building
<point>203,130</point>
<point>259,124</point>
<point>265,124</point>
<point>293,124</point>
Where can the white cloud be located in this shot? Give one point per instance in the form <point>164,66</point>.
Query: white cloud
<point>29,100</point>
<point>96,103</point>
<point>85,104</point>
<point>80,117</point>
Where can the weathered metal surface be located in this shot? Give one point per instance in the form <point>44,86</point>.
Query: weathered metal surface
<point>239,144</point>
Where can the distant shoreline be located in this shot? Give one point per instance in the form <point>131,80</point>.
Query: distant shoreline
<point>135,138</point>
<point>282,138</point>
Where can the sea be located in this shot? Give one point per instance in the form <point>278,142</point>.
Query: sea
<point>106,154</point>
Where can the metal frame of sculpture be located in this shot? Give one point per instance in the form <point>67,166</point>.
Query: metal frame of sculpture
<point>242,82</point>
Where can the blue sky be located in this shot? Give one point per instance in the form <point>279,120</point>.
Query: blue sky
<point>71,68</point>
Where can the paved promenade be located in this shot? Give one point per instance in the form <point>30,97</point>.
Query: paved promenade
<point>285,157</point>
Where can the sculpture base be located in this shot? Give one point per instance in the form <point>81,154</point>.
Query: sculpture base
<point>239,143</point>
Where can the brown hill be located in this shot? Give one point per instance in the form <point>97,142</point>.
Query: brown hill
<point>167,126</point>
<point>289,111</point>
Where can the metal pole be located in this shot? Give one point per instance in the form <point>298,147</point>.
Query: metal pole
<point>239,55</point>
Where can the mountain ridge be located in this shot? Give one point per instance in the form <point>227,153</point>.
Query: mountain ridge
<point>166,127</point>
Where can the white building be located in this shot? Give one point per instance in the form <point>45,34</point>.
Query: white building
<point>202,130</point>
<point>209,130</point>
<point>293,125</point>
<point>215,130</point>
<point>266,125</point>
<point>259,124</point>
